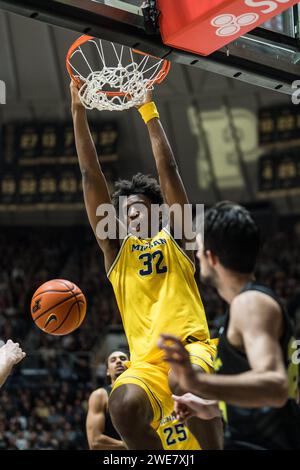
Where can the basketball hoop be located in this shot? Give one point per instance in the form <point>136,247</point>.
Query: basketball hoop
<point>115,77</point>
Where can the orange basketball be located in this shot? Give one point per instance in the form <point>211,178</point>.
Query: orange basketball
<point>58,307</point>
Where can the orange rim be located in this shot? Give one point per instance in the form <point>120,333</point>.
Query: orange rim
<point>160,77</point>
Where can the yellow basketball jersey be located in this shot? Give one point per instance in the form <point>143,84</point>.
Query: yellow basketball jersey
<point>176,436</point>
<point>156,292</point>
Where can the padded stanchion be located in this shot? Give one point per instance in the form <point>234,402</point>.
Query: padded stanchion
<point>204,26</point>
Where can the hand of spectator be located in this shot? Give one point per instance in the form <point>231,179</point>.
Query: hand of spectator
<point>10,355</point>
<point>189,405</point>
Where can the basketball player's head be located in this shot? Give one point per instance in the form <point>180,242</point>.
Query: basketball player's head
<point>116,364</point>
<point>231,243</point>
<point>139,195</point>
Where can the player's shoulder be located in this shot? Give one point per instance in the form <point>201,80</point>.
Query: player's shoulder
<point>250,299</point>
<point>98,398</point>
<point>254,305</point>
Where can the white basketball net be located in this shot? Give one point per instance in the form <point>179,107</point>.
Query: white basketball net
<point>132,81</point>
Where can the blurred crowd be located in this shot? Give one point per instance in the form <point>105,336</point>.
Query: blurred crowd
<point>51,417</point>
<point>30,257</point>
<point>44,403</point>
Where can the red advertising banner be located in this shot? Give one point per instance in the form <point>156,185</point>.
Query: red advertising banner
<point>204,26</point>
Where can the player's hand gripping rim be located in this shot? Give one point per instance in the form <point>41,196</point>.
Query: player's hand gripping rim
<point>74,90</point>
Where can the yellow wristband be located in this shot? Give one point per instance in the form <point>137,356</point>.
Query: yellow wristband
<point>148,111</point>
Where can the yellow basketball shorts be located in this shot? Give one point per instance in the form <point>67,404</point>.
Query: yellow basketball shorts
<point>153,378</point>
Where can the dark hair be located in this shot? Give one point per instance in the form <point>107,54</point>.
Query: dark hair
<point>232,235</point>
<point>116,350</point>
<point>140,184</point>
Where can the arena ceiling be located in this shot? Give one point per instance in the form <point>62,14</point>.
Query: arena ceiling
<point>33,68</point>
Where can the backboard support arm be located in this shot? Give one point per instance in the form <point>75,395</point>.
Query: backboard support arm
<point>249,59</point>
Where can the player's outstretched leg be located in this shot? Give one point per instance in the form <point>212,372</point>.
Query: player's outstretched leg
<point>132,414</point>
<point>209,433</point>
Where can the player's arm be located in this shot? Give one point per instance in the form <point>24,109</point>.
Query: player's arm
<point>94,184</point>
<point>95,424</point>
<point>10,355</point>
<point>170,181</point>
<point>258,320</point>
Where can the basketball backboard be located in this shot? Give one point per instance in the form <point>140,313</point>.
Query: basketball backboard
<point>127,11</point>
<point>283,24</point>
<point>267,56</point>
<point>130,6</point>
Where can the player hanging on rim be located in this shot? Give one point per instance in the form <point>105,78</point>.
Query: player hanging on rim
<point>154,284</point>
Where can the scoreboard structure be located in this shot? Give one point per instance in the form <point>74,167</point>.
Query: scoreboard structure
<point>39,166</point>
<point>279,137</point>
